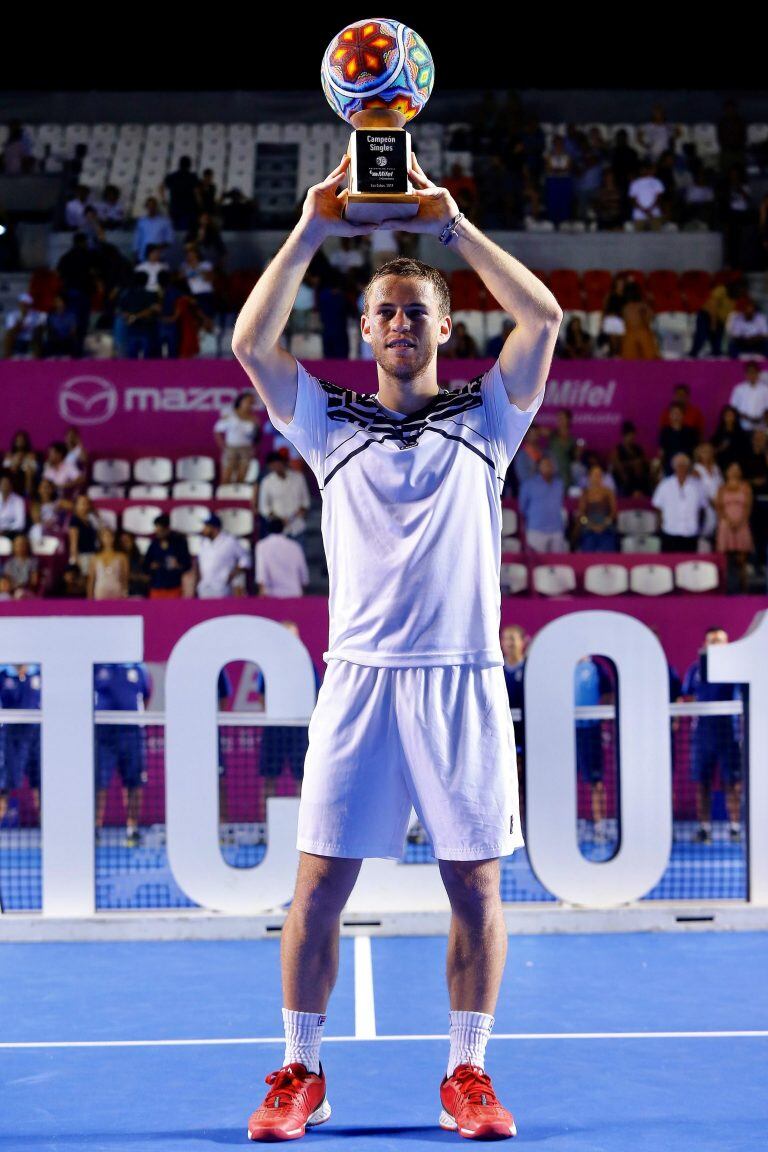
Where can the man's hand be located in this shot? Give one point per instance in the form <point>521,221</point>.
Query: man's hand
<point>324,205</point>
<point>436,205</point>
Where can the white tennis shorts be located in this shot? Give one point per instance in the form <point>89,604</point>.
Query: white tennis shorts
<point>383,739</point>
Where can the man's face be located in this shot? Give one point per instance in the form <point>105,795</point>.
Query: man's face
<point>151,206</point>
<point>245,407</point>
<point>512,645</point>
<point>681,396</point>
<point>716,636</point>
<point>753,374</point>
<point>5,486</point>
<point>676,418</point>
<point>680,466</point>
<point>403,325</point>
<point>161,531</point>
<point>546,468</point>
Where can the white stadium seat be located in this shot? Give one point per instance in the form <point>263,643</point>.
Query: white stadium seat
<point>106,491</point>
<point>195,468</point>
<point>153,470</point>
<point>697,576</point>
<point>514,578</point>
<point>192,490</point>
<point>234,492</point>
<point>606,579</point>
<point>637,521</point>
<point>511,544</point>
<point>554,579</point>
<point>108,518</point>
<point>651,580</point>
<point>111,471</point>
<point>194,542</point>
<point>238,521</point>
<point>189,518</point>
<point>148,492</point>
<point>648,543</point>
<point>508,522</point>
<point>6,546</point>
<point>140,518</point>
<point>47,546</point>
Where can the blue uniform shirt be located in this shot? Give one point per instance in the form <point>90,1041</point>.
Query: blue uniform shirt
<point>17,691</point>
<point>590,683</point>
<point>702,691</point>
<point>121,687</point>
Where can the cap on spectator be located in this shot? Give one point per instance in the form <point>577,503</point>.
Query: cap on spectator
<point>162,521</point>
<point>213,521</point>
<point>25,298</point>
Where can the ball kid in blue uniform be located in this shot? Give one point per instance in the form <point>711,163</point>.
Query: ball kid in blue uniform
<point>121,688</point>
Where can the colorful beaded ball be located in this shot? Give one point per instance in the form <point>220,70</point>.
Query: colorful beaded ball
<point>377,64</point>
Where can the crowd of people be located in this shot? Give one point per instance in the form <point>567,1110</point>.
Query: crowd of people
<point>710,491</point>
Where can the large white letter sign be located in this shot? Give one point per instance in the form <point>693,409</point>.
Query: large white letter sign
<point>191,757</point>
<point>746,662</point>
<point>644,759</point>
<point>67,648</point>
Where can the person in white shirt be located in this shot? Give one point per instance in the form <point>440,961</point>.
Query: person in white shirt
<point>750,398</point>
<point>13,513</point>
<point>711,479</point>
<point>153,265</point>
<point>414,704</point>
<point>110,209</point>
<point>236,432</point>
<point>281,566</point>
<point>645,192</point>
<point>681,500</point>
<point>24,328</point>
<point>284,495</point>
<point>747,331</point>
<point>62,473</point>
<point>657,136</point>
<point>74,211</point>
<point>221,559</point>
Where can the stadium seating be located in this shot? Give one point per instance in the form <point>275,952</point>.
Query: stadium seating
<point>192,490</point>
<point>196,468</point>
<point>234,492</point>
<point>554,579</point>
<point>238,521</point>
<point>637,521</point>
<point>606,579</point>
<point>514,578</point>
<point>6,546</point>
<point>649,543</point>
<point>189,518</point>
<point>153,470</point>
<point>140,518</point>
<point>146,492</point>
<point>111,471</point>
<point>697,576</point>
<point>651,580</point>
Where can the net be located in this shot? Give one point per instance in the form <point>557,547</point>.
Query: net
<point>259,759</point>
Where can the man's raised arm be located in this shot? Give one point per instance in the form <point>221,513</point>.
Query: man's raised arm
<point>527,352</point>
<point>256,339</point>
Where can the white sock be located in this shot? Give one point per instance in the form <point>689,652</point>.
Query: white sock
<point>303,1033</point>
<point>470,1032</point>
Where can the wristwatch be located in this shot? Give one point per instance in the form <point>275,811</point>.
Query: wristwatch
<point>449,232</point>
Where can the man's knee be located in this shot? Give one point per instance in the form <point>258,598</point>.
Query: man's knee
<point>471,884</point>
<point>324,883</point>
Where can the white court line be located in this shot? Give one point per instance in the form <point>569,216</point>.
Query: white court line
<point>365,1008</point>
<point>760,1034</point>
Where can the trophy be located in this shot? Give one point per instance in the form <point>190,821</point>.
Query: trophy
<point>378,75</point>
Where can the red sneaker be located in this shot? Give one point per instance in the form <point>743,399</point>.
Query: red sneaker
<point>471,1108</point>
<point>295,1101</point>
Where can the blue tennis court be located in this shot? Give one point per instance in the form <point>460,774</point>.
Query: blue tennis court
<point>602,1043</point>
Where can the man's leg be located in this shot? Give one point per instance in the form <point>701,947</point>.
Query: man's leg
<point>477,941</point>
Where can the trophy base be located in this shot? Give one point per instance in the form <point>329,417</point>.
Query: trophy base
<point>372,208</point>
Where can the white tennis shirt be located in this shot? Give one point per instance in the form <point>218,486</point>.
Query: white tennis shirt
<point>411,518</point>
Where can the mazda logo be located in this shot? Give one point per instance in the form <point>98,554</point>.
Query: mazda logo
<point>87,400</point>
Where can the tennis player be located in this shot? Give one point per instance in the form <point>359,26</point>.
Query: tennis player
<point>413,709</point>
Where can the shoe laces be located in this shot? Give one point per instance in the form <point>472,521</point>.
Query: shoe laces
<point>475,1084</point>
<point>284,1082</point>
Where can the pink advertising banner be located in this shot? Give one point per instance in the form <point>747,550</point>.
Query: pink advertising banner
<point>165,407</point>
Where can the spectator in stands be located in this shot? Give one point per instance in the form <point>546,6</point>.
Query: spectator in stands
<point>170,291</point>
<point>729,440</point>
<point>207,194</point>
<point>166,561</point>
<point>107,577</point>
<point>577,344</point>
<point>71,584</point>
<point>24,329</point>
<point>83,533</point>
<point>17,153</point>
<point>699,203</point>
<point>281,567</point>
<point>731,136</point>
<point>711,478</point>
<point>526,462</point>
<point>65,476</point>
<point>222,558</point>
<point>558,183</point>
<point>608,202</point>
<point>237,212</point>
<point>562,445</point>
<point>629,465</point>
<point>22,569</point>
<point>152,266</point>
<point>349,258</point>
<point>733,505</point>
<point>20,688</point>
<point>715,743</point>
<point>284,496</point>
<point>738,220</point>
<point>139,310</point>
<point>461,345</point>
<point>681,501</point>
<point>110,209</point>
<point>747,330</point>
<point>152,228</point>
<point>76,269</point>
<point>658,136</point>
<point>755,469</point>
<point>76,450</point>
<point>624,161</point>
<point>74,211</point>
<point>21,462</point>
<point>514,641</point>
<point>138,580</point>
<point>542,505</point>
<point>596,515</point>
<point>61,330</point>
<point>495,344</point>
<point>638,341</point>
<point>693,417</point>
<point>592,687</point>
<point>750,398</point>
<point>612,326</point>
<point>6,593</point>
<point>236,433</point>
<point>675,438</point>
<point>13,515</point>
<point>121,688</point>
<point>712,318</point>
<point>36,529</point>
<point>182,187</point>
<point>199,276</point>
<point>208,241</point>
<point>333,309</point>
<point>645,195</point>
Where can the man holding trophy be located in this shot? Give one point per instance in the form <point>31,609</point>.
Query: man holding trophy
<point>413,709</point>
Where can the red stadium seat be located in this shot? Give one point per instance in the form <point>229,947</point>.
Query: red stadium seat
<point>468,293</point>
<point>543,276</point>
<point>597,284</point>
<point>726,276</point>
<point>566,286</point>
<point>634,274</point>
<point>696,286</point>
<point>664,282</point>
